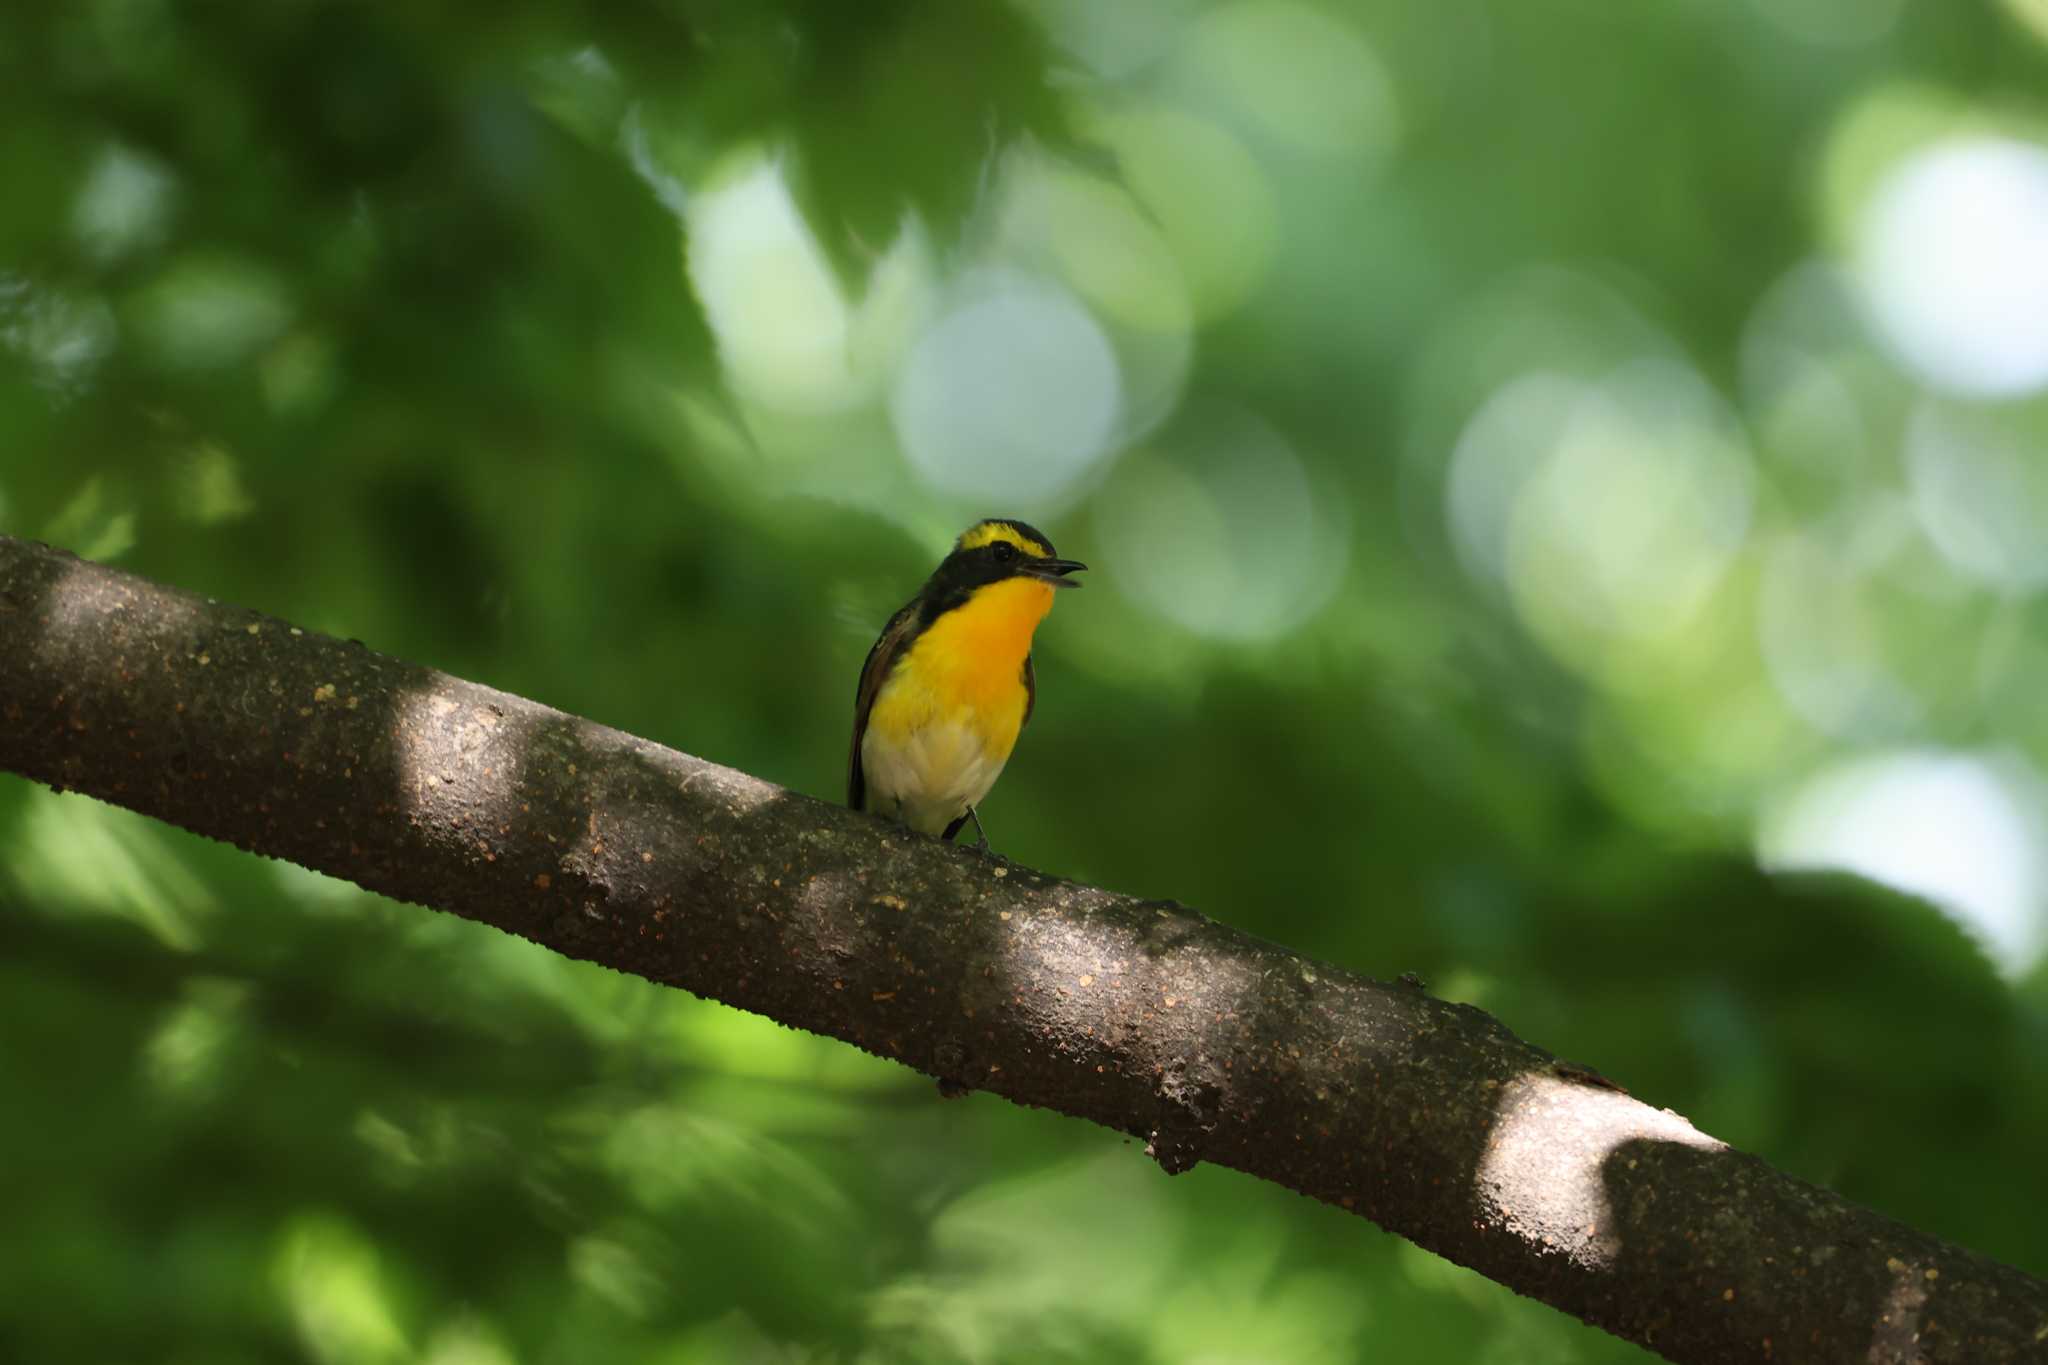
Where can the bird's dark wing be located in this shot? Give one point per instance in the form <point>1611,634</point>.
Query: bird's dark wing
<point>895,638</point>
<point>1030,692</point>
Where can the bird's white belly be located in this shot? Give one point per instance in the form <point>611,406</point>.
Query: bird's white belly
<point>928,777</point>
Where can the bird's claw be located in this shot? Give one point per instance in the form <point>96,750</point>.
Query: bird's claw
<point>980,834</point>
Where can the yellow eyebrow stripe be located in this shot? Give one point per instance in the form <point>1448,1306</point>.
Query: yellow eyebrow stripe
<point>989,532</point>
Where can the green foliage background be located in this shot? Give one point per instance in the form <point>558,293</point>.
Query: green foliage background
<point>398,321</point>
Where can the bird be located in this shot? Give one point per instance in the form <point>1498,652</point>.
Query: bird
<point>949,684</point>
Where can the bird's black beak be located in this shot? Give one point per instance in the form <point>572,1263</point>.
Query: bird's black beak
<point>1055,571</point>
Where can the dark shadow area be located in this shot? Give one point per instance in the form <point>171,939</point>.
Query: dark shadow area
<point>1789,1264</point>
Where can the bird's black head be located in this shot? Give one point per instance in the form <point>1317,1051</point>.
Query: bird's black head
<point>990,552</point>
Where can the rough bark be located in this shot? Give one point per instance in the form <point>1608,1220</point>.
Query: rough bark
<point>1429,1118</point>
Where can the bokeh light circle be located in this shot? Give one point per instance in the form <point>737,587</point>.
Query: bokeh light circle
<point>1980,491</point>
<point>1805,351</point>
<point>2033,14</point>
<point>1500,447</point>
<point>1219,528</point>
<point>1009,398</point>
<point>1090,234</point>
<point>1115,41</point>
<point>1964,830</point>
<point>1953,259</point>
<point>1611,508</point>
<point>1822,640</point>
<point>781,321</point>
<point>1207,192</point>
<point>1296,74</point>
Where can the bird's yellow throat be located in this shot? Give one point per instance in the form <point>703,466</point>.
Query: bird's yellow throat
<point>969,664</point>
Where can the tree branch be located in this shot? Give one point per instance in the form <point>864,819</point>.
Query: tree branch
<point>1429,1118</point>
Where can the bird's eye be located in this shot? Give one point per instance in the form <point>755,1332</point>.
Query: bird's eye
<point>1005,552</point>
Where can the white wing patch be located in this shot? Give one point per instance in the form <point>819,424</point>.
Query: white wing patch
<point>928,778</point>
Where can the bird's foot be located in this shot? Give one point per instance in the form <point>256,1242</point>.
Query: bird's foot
<point>981,845</point>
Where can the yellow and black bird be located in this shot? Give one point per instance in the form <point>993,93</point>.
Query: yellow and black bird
<point>948,686</point>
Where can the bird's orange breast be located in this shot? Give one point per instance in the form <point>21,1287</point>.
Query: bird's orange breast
<point>967,668</point>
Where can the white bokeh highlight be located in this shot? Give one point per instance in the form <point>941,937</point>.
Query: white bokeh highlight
<point>1962,830</point>
<point>1090,234</point>
<point>1953,261</point>
<point>782,323</point>
<point>123,205</point>
<point>1011,397</point>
